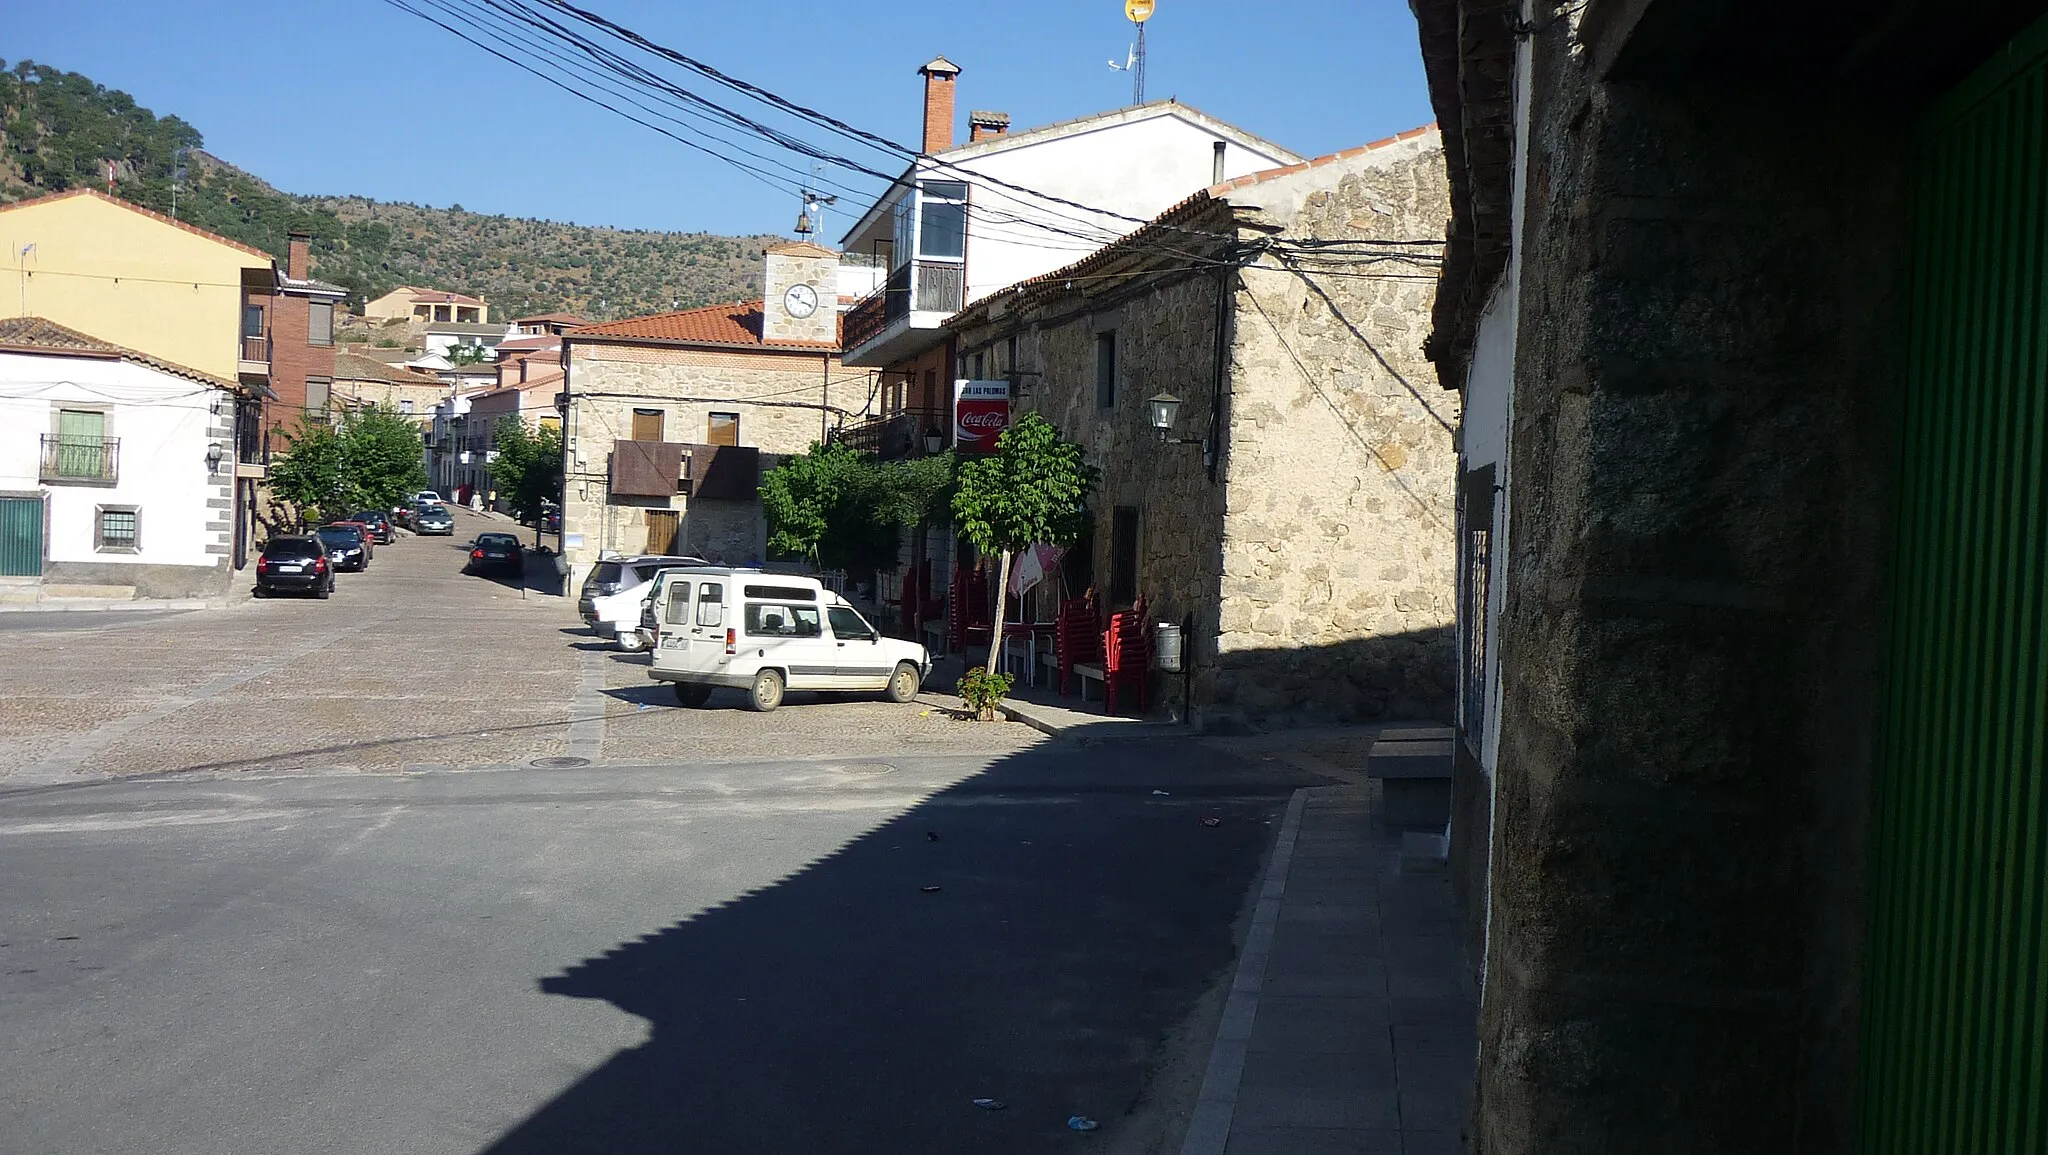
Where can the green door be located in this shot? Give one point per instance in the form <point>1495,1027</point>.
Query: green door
<point>21,536</point>
<point>1955,1017</point>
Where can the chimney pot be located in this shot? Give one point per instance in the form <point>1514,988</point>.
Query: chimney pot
<point>939,78</point>
<point>982,124</point>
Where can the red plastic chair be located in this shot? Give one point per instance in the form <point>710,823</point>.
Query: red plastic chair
<point>1077,637</point>
<point>1127,658</point>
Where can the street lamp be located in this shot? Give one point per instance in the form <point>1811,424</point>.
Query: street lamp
<point>934,441</point>
<point>1164,409</point>
<point>214,453</point>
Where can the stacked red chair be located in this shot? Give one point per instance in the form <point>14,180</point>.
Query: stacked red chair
<point>1077,637</point>
<point>1127,658</point>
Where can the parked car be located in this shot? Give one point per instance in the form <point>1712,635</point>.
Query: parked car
<point>767,633</point>
<point>609,601</point>
<point>428,496</point>
<point>369,535</point>
<point>551,519</point>
<point>496,553</point>
<point>345,547</point>
<point>433,520</point>
<point>379,523</point>
<point>401,515</point>
<point>294,563</point>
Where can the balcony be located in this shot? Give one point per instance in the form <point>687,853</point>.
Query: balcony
<point>81,460</point>
<point>891,437</point>
<point>255,359</point>
<point>901,318</point>
<point>252,443</point>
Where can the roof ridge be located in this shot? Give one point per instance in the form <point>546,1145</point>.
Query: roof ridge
<point>151,213</point>
<point>1267,174</point>
<point>101,346</point>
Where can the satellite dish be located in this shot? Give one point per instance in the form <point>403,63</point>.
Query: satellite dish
<point>1138,10</point>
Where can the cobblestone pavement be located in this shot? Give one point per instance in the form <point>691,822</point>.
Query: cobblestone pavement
<point>410,666</point>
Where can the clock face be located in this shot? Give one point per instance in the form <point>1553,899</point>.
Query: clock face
<point>800,300</point>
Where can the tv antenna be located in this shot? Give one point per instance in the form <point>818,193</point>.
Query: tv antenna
<point>1139,11</point>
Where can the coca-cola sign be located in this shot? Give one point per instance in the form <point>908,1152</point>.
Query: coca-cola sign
<point>981,411</point>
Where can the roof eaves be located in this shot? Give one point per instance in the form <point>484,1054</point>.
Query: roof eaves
<point>150,213</point>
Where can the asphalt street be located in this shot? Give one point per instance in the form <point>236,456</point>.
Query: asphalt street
<point>836,944</point>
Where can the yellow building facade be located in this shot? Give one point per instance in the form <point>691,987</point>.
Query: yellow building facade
<point>130,276</point>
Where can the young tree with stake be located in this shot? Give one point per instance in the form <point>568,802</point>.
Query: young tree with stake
<point>1031,490</point>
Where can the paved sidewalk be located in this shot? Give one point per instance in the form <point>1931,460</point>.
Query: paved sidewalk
<point>1350,1025</point>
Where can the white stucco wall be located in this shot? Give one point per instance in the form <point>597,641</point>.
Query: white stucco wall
<point>164,424</point>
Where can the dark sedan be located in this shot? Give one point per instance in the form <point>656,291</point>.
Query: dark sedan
<point>344,545</point>
<point>433,521</point>
<point>294,564</point>
<point>379,523</point>
<point>496,553</point>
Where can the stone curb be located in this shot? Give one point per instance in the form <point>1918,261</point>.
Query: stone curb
<point>1208,1130</point>
<point>98,605</point>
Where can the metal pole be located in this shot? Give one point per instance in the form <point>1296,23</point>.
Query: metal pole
<point>1138,68</point>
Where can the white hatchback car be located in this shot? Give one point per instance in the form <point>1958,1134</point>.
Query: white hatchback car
<point>766,633</point>
<point>609,602</point>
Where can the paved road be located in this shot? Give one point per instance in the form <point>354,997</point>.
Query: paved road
<point>735,957</point>
<point>278,879</point>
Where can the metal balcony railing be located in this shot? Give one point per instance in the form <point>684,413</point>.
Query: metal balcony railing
<point>891,437</point>
<point>922,286</point>
<point>255,349</point>
<point>95,459</point>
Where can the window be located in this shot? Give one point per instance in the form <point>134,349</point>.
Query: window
<point>1105,370</point>
<point>118,529</point>
<point>905,214</point>
<point>252,320</point>
<point>405,405</point>
<point>768,620</point>
<point>783,593</point>
<point>847,626</point>
<point>318,390</point>
<point>942,230</point>
<point>980,366</point>
<point>1123,555</point>
<point>723,429</point>
<point>647,425</point>
<point>710,605</point>
<point>320,323</point>
<point>679,603</point>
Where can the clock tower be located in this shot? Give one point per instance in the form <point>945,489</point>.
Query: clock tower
<point>800,301</point>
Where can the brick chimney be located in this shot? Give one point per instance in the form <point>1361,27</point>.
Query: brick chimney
<point>939,78</point>
<point>299,261</point>
<point>982,124</point>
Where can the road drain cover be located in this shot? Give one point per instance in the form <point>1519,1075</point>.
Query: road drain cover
<point>864,768</point>
<point>559,763</point>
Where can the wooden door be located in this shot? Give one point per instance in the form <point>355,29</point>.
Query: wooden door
<point>661,530</point>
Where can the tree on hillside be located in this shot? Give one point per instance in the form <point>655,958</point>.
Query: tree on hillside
<point>528,468</point>
<point>1031,490</point>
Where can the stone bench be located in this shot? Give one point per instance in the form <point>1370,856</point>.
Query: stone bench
<point>1415,773</point>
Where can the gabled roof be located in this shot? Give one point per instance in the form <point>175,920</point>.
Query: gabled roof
<point>422,296</point>
<point>735,325</point>
<point>136,208</point>
<point>800,249</point>
<point>1264,175</point>
<point>35,335</point>
<point>555,318</point>
<point>356,367</point>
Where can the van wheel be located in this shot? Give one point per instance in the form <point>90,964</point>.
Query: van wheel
<point>629,641</point>
<point>903,684</point>
<point>767,691</point>
<point>691,693</point>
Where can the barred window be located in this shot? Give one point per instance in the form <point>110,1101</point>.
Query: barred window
<point>118,529</point>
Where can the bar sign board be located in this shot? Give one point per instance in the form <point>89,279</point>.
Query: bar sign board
<point>981,411</point>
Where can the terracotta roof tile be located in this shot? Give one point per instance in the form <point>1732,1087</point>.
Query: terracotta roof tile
<point>35,335</point>
<point>735,324</point>
<point>1270,173</point>
<point>356,367</point>
<point>136,208</point>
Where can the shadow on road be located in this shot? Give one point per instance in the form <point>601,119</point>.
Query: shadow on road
<point>1036,934</point>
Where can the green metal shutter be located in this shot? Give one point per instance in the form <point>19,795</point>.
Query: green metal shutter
<point>1955,1014</point>
<point>21,536</point>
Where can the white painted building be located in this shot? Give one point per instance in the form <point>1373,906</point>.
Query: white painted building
<point>965,222</point>
<point>116,469</point>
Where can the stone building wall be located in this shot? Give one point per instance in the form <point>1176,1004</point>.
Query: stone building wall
<point>1316,562</point>
<point>779,398</point>
<point>1338,589</point>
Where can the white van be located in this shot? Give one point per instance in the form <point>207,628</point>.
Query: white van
<point>766,633</point>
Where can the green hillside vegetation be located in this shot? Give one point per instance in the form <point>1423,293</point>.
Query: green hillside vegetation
<point>58,129</point>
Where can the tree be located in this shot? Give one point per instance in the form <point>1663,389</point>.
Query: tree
<point>311,475</point>
<point>1031,490</point>
<point>840,509</point>
<point>466,355</point>
<point>528,468</point>
<point>384,457</point>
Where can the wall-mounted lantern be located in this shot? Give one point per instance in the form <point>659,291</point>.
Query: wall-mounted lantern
<point>1164,409</point>
<point>214,454</point>
<point>934,441</point>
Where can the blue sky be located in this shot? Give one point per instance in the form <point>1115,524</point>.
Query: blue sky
<point>361,98</point>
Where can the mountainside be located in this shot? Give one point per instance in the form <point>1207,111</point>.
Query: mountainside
<point>59,129</point>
